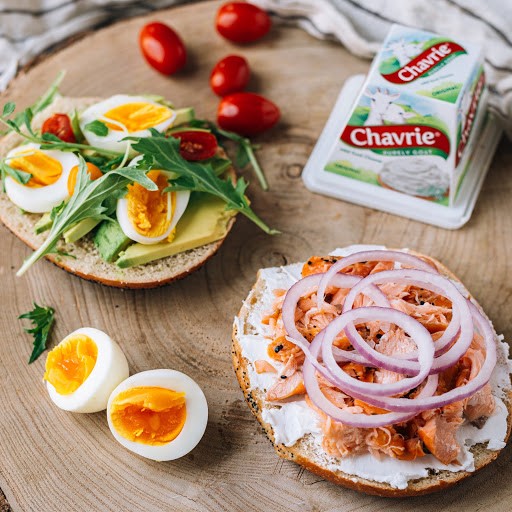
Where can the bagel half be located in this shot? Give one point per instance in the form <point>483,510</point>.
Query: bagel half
<point>307,451</point>
<point>86,261</point>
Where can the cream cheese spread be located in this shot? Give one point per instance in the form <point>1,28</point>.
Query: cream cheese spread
<point>295,420</point>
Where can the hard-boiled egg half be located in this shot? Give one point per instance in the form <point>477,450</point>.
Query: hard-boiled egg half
<point>48,186</point>
<point>158,414</point>
<point>125,116</point>
<point>148,217</point>
<point>83,369</point>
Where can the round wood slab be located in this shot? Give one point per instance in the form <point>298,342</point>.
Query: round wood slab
<point>52,460</point>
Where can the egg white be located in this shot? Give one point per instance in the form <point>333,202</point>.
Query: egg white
<point>195,423</point>
<point>113,140</point>
<point>40,199</point>
<point>182,198</point>
<point>110,369</point>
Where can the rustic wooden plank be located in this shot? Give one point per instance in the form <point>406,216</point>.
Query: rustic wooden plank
<point>51,460</point>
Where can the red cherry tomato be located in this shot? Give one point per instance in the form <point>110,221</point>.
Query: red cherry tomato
<point>59,125</point>
<point>247,113</point>
<point>196,145</point>
<point>231,74</point>
<point>242,23</point>
<point>162,48</point>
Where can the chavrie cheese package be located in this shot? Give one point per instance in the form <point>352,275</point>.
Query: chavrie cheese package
<point>415,138</point>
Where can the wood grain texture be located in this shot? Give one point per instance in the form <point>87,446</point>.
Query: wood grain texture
<point>53,461</point>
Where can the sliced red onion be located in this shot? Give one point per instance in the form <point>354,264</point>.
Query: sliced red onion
<point>308,285</point>
<point>355,420</point>
<point>461,320</point>
<point>454,395</point>
<point>350,385</point>
<point>360,257</point>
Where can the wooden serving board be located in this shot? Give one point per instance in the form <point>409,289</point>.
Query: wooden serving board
<point>52,460</point>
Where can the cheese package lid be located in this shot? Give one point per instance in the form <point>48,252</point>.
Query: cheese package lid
<point>414,137</point>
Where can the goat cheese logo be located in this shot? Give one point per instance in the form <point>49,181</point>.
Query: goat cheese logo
<point>393,129</point>
<point>415,61</point>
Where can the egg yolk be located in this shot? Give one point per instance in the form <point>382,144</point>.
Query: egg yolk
<point>149,415</point>
<point>137,116</point>
<point>70,363</point>
<point>45,170</point>
<point>148,210</point>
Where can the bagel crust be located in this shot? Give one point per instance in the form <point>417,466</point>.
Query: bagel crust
<point>303,451</point>
<point>86,261</point>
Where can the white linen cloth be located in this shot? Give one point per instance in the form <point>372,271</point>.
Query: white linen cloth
<point>28,27</point>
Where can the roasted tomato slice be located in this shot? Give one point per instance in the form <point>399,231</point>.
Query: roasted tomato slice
<point>60,126</point>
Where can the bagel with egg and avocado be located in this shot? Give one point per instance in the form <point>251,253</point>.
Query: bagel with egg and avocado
<point>456,421</point>
<point>107,227</point>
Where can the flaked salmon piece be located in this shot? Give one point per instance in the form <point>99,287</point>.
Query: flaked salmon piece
<point>369,409</point>
<point>358,371</point>
<point>481,404</point>
<point>262,366</point>
<point>413,449</point>
<point>395,290</point>
<point>341,440</point>
<point>286,387</point>
<point>438,435</point>
<point>318,264</point>
<point>281,349</point>
<point>392,342</point>
<point>335,396</point>
<point>381,266</point>
<point>434,318</point>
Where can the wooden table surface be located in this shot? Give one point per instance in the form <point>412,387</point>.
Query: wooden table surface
<point>52,460</point>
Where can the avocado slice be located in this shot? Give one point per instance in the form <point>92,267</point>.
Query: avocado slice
<point>79,230</point>
<point>110,240</point>
<point>204,221</point>
<point>184,115</point>
<point>43,224</point>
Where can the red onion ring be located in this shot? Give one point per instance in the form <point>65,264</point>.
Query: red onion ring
<point>360,257</point>
<point>461,319</point>
<point>350,385</point>
<point>355,420</point>
<point>432,357</point>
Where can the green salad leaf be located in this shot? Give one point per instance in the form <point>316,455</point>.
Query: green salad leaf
<point>90,200</point>
<point>164,153</point>
<point>42,319</point>
<point>245,148</point>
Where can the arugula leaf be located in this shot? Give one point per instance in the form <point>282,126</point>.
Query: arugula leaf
<point>42,319</point>
<point>245,150</point>
<point>8,109</point>
<point>97,127</point>
<point>164,153</point>
<point>90,200</point>
<point>20,176</point>
<point>75,126</point>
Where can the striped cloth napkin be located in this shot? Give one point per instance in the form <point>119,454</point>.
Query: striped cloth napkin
<point>28,27</point>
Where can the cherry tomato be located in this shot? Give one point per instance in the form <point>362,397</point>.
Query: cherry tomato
<point>162,48</point>
<point>94,173</point>
<point>231,74</point>
<point>242,23</point>
<point>247,113</point>
<point>196,145</point>
<point>60,126</point>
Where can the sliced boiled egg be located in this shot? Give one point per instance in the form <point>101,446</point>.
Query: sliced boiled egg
<point>83,369</point>
<point>125,116</point>
<point>48,186</point>
<point>149,217</point>
<point>158,414</point>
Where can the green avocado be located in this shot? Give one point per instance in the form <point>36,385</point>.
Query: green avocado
<point>184,115</point>
<point>204,221</point>
<point>110,240</point>
<point>79,230</point>
<point>43,224</point>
